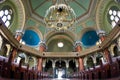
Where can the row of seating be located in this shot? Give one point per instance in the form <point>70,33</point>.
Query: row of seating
<point>18,72</point>
<point>104,71</point>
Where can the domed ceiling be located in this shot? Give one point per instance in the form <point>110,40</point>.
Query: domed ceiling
<point>39,7</point>
<point>83,9</point>
<point>31,38</point>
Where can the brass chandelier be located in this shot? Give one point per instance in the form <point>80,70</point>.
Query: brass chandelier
<point>60,17</point>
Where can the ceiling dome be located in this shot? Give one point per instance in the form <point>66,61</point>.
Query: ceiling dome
<point>31,38</point>
<point>39,7</point>
<point>89,38</point>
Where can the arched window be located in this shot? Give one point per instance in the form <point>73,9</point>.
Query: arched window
<point>6,14</point>
<point>1,42</point>
<point>113,15</point>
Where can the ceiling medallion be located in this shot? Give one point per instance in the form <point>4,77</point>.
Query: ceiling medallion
<point>60,17</point>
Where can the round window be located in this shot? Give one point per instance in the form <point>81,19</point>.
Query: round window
<point>113,16</point>
<point>6,14</point>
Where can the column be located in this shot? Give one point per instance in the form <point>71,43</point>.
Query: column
<point>118,44</point>
<point>18,37</point>
<point>78,48</point>
<point>43,65</point>
<point>40,60</point>
<point>106,51</point>
<point>54,72</point>
<point>67,66</point>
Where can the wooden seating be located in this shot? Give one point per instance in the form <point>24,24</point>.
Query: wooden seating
<point>103,71</point>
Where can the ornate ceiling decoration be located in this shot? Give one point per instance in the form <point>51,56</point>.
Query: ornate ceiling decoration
<point>60,17</point>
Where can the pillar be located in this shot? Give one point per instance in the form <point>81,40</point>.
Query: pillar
<point>54,72</point>
<point>40,60</point>
<point>78,48</point>
<point>18,37</point>
<point>43,65</point>
<point>118,44</point>
<point>67,66</point>
<point>106,51</point>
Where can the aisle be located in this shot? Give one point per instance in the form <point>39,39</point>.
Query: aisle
<point>59,79</point>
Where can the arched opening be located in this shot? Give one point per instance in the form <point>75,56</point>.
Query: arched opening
<point>72,68</point>
<point>99,57</point>
<point>60,45</point>
<point>60,69</point>
<point>4,50</point>
<point>31,62</point>
<point>90,62</point>
<point>48,68</point>
<point>21,57</point>
<point>115,51</point>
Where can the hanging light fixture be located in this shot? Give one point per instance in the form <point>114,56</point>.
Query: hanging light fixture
<point>60,16</point>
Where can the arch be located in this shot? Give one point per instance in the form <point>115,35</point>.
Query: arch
<point>67,45</point>
<point>53,38</point>
<point>32,61</point>
<point>21,56</point>
<point>99,56</point>
<point>68,34</point>
<point>4,50</point>
<point>88,61</point>
<point>101,14</point>
<point>48,66</point>
<point>19,14</point>
<point>72,66</point>
<point>114,50</point>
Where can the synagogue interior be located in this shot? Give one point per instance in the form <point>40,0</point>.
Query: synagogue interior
<point>59,39</point>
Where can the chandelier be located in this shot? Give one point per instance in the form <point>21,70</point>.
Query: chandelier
<point>60,17</point>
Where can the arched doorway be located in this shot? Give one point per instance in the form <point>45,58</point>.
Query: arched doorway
<point>60,69</point>
<point>48,68</point>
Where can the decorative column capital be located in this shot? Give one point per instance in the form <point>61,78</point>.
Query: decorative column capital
<point>101,33</point>
<point>19,33</point>
<point>43,44</point>
<point>77,43</point>
<point>78,46</point>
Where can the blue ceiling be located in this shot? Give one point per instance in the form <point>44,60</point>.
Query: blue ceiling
<point>31,38</point>
<point>89,38</point>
